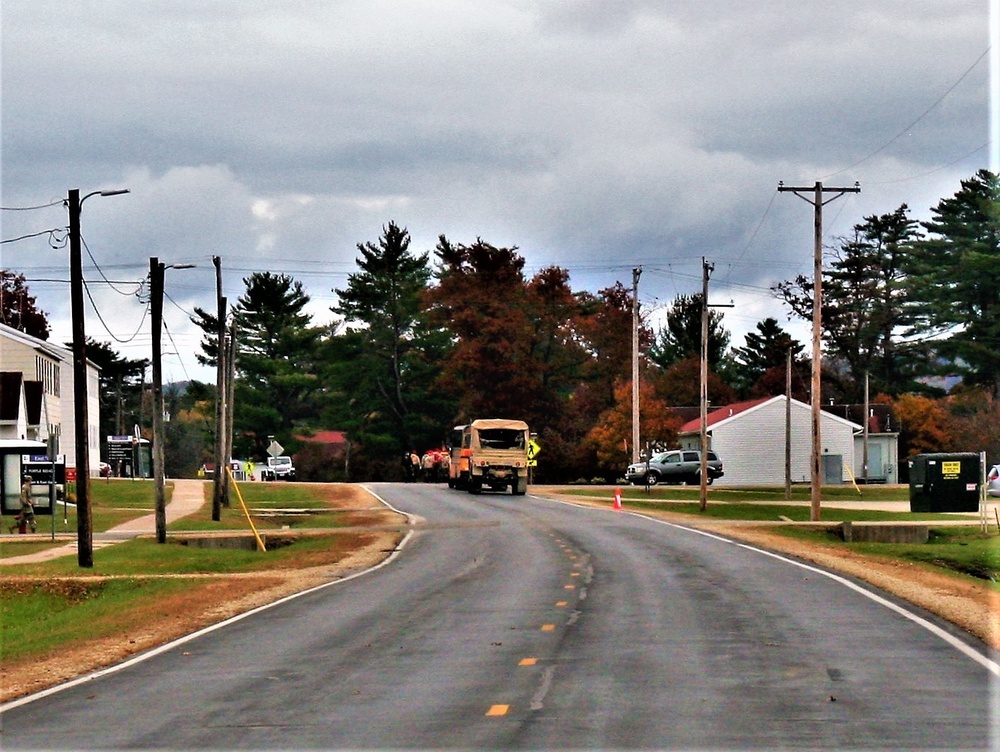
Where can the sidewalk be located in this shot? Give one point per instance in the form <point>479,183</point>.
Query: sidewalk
<point>187,498</point>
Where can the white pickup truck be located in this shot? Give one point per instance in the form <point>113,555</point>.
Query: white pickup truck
<point>278,468</point>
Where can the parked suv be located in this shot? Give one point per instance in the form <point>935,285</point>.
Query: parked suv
<point>676,466</point>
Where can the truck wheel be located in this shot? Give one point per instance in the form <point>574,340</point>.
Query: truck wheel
<point>475,486</point>
<point>652,478</point>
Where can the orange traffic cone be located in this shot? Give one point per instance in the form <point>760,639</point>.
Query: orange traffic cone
<point>618,498</point>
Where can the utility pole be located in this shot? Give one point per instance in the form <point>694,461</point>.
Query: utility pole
<point>156,316</point>
<point>864,450</point>
<point>81,417</point>
<point>788,425</point>
<point>817,324</point>
<point>636,273</point>
<point>706,273</point>
<point>220,392</point>
<point>84,515</point>
<point>230,404</point>
<point>156,270</point>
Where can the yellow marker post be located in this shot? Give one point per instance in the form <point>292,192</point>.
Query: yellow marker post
<point>260,541</point>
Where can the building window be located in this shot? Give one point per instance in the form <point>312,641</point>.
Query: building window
<point>48,373</point>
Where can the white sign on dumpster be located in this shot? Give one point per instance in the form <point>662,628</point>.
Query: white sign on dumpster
<point>275,449</point>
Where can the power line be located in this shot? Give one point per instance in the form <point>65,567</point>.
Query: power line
<point>51,233</point>
<point>57,202</point>
<point>931,172</point>
<point>922,115</point>
<point>100,271</point>
<point>115,337</point>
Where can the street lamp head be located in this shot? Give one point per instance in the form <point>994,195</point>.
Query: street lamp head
<point>107,192</point>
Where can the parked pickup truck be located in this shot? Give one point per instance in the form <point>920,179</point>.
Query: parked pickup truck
<point>278,468</point>
<point>676,466</point>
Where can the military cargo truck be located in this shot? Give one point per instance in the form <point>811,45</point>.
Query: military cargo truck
<point>490,454</point>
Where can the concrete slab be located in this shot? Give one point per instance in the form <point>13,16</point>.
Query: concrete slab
<point>884,532</point>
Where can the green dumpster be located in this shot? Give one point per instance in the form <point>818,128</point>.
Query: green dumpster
<point>945,482</point>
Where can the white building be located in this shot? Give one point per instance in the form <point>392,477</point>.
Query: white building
<point>749,438</point>
<point>36,395</point>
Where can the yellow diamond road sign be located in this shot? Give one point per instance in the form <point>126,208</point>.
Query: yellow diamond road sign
<point>533,450</point>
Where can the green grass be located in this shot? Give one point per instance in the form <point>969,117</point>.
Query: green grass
<point>774,512</point>
<point>144,556</point>
<point>39,614</point>
<point>124,493</point>
<point>36,618</point>
<point>261,499</point>
<point>965,550</point>
<point>112,502</point>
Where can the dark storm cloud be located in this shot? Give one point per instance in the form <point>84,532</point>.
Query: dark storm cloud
<point>593,135</point>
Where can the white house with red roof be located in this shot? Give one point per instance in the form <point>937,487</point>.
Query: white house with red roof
<point>749,438</point>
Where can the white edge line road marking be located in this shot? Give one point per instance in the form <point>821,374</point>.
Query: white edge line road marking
<point>152,652</point>
<point>987,663</point>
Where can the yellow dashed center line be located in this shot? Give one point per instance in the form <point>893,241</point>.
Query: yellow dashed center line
<point>548,627</point>
<point>498,710</point>
<point>569,587</point>
<point>527,662</point>
<point>562,604</point>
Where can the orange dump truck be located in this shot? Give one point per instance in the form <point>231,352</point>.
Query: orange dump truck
<point>490,453</point>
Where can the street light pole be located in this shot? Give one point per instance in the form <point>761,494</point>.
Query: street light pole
<point>84,516</point>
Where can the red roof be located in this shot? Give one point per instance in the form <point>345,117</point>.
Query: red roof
<point>324,437</point>
<point>722,413</point>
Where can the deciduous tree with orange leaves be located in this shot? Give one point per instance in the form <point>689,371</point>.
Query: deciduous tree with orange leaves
<point>925,425</point>
<point>613,431</point>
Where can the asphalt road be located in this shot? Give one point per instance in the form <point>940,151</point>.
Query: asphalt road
<point>514,622</point>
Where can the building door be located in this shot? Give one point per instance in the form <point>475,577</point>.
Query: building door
<point>876,470</point>
<point>833,469</point>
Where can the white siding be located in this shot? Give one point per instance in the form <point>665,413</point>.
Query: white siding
<point>751,444</point>
<point>889,448</point>
<point>19,352</point>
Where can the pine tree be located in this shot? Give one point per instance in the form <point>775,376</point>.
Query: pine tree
<point>681,337</point>
<point>953,293</point>
<point>389,378</point>
<point>863,312</point>
<point>765,350</point>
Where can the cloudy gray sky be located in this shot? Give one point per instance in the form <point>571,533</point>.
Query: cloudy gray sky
<point>596,135</point>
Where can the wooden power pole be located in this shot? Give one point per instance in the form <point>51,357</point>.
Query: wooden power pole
<point>817,201</point>
<point>156,316</point>
<point>706,273</point>
<point>636,273</point>
<point>220,394</point>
